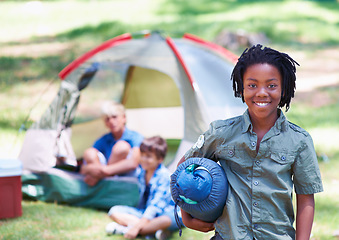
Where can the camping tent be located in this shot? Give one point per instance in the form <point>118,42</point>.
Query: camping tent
<point>170,87</point>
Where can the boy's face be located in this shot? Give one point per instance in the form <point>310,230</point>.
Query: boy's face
<point>149,161</point>
<point>262,91</point>
<point>115,123</point>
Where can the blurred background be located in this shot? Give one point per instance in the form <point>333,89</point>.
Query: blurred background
<point>39,38</point>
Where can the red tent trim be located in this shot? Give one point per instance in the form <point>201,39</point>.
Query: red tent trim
<point>127,36</point>
<point>112,42</point>
<point>228,54</point>
<point>181,60</point>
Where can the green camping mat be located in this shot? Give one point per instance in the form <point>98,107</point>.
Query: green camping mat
<point>66,187</point>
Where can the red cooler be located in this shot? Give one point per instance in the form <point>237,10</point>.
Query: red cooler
<point>10,188</point>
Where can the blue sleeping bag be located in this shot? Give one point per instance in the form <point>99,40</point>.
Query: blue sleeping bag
<point>199,186</point>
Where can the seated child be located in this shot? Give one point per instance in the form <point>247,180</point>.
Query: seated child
<point>155,211</point>
<point>114,153</point>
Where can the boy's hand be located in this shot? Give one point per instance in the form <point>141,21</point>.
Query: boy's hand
<point>95,170</point>
<point>132,233</point>
<point>93,173</point>
<point>196,224</point>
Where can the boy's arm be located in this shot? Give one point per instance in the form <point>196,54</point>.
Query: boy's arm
<point>124,165</point>
<point>98,171</point>
<point>196,224</point>
<point>305,215</point>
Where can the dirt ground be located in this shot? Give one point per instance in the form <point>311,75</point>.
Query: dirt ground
<point>318,69</point>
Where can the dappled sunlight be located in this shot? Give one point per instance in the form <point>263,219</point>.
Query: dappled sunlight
<point>48,18</point>
<point>34,50</point>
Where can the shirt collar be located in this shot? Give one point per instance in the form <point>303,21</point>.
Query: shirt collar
<point>247,125</point>
<point>280,124</point>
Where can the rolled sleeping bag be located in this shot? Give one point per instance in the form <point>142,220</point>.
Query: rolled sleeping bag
<point>199,186</point>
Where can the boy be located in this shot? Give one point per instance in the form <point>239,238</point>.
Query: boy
<point>116,152</point>
<point>155,210</point>
<point>263,155</point>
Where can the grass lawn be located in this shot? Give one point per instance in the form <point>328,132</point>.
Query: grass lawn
<point>51,221</point>
<point>38,39</point>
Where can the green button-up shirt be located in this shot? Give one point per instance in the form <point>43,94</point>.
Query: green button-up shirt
<point>259,203</point>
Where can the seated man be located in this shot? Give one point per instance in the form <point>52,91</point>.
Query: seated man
<point>116,152</point>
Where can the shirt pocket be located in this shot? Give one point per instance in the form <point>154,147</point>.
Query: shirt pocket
<point>235,158</point>
<point>282,161</point>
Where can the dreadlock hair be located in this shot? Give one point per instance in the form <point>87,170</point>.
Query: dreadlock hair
<point>259,55</point>
<point>155,144</point>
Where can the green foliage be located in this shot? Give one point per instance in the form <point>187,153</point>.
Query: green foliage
<point>308,116</point>
<point>26,69</point>
<point>320,117</point>
<point>315,24</point>
<point>172,146</point>
<point>7,115</point>
<point>103,31</point>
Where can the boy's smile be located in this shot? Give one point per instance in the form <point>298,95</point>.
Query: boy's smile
<point>262,91</point>
<point>149,161</point>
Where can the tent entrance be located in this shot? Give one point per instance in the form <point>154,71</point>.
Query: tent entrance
<point>151,98</point>
<point>147,88</point>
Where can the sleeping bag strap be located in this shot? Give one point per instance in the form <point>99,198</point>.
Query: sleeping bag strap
<point>177,220</point>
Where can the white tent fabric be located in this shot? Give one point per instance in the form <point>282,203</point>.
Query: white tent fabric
<point>170,87</point>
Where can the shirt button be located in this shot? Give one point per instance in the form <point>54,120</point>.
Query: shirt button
<point>257,162</point>
<point>253,144</point>
<point>283,158</point>
<point>255,204</point>
<point>256,183</point>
